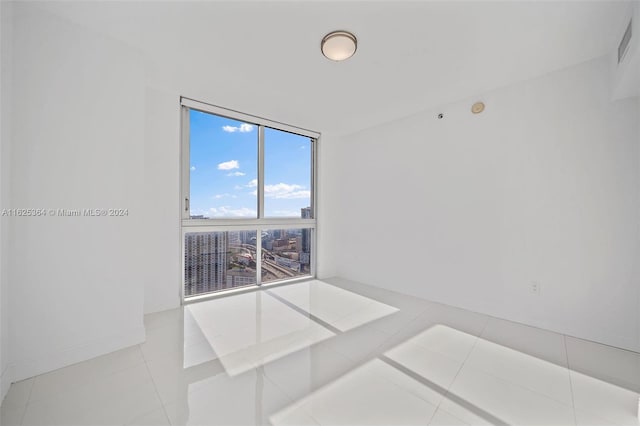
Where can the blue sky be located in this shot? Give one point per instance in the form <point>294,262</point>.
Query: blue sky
<point>224,168</point>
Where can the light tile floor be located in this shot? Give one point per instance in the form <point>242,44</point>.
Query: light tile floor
<point>336,353</point>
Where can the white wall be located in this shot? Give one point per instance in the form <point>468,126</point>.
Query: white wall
<point>5,131</point>
<point>77,142</point>
<point>162,264</point>
<point>327,208</point>
<point>469,210</point>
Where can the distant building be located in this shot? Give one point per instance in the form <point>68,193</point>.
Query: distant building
<point>288,263</point>
<point>206,261</point>
<point>279,234</point>
<point>238,278</point>
<point>234,237</point>
<point>305,245</point>
<point>248,237</point>
<point>281,243</point>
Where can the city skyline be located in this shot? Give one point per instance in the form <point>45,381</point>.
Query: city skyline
<point>221,260</point>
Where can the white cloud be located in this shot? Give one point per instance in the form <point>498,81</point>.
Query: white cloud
<point>227,211</point>
<point>193,168</point>
<point>236,174</point>
<point>281,190</point>
<point>218,196</point>
<point>244,128</point>
<point>229,165</point>
<point>286,191</point>
<point>286,213</point>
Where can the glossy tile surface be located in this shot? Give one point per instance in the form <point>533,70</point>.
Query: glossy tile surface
<point>336,353</point>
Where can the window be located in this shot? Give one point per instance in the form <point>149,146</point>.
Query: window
<point>248,204</point>
<point>287,173</point>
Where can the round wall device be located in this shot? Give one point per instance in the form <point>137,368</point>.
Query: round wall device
<point>477,108</point>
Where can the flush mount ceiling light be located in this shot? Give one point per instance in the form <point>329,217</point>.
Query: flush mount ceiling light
<point>339,45</point>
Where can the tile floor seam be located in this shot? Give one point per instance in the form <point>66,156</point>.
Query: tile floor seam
<point>381,379</point>
<point>573,400</point>
<point>374,355</point>
<point>394,334</point>
<point>397,386</point>
<point>449,414</point>
<point>538,393</point>
<point>484,327</point>
<point>295,403</point>
<point>155,387</point>
<point>590,410</point>
<point>522,386</point>
<point>417,318</point>
<point>271,293</point>
<point>502,379</point>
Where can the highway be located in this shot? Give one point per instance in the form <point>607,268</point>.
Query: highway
<point>269,265</point>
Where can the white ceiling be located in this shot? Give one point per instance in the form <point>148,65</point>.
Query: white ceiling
<point>264,57</point>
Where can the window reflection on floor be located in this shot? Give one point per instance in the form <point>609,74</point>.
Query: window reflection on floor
<point>247,330</point>
<point>315,353</point>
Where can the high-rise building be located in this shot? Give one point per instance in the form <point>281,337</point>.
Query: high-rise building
<point>280,234</point>
<point>205,262</point>
<point>240,278</point>
<point>248,237</point>
<point>305,246</point>
<point>234,237</point>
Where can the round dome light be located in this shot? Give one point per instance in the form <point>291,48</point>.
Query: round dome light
<point>339,45</point>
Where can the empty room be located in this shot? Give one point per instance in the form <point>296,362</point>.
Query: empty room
<point>320,212</point>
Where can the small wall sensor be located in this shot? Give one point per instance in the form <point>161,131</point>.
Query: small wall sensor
<point>440,116</point>
<point>477,108</point>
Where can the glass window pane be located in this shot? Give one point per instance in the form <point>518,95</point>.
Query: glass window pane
<point>215,261</point>
<point>223,155</point>
<point>287,174</point>
<point>286,253</point>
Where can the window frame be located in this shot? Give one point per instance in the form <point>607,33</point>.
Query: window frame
<point>260,223</point>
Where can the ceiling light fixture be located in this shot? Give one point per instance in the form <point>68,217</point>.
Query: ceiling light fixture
<point>339,45</point>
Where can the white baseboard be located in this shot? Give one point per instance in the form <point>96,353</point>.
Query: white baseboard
<point>27,368</point>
